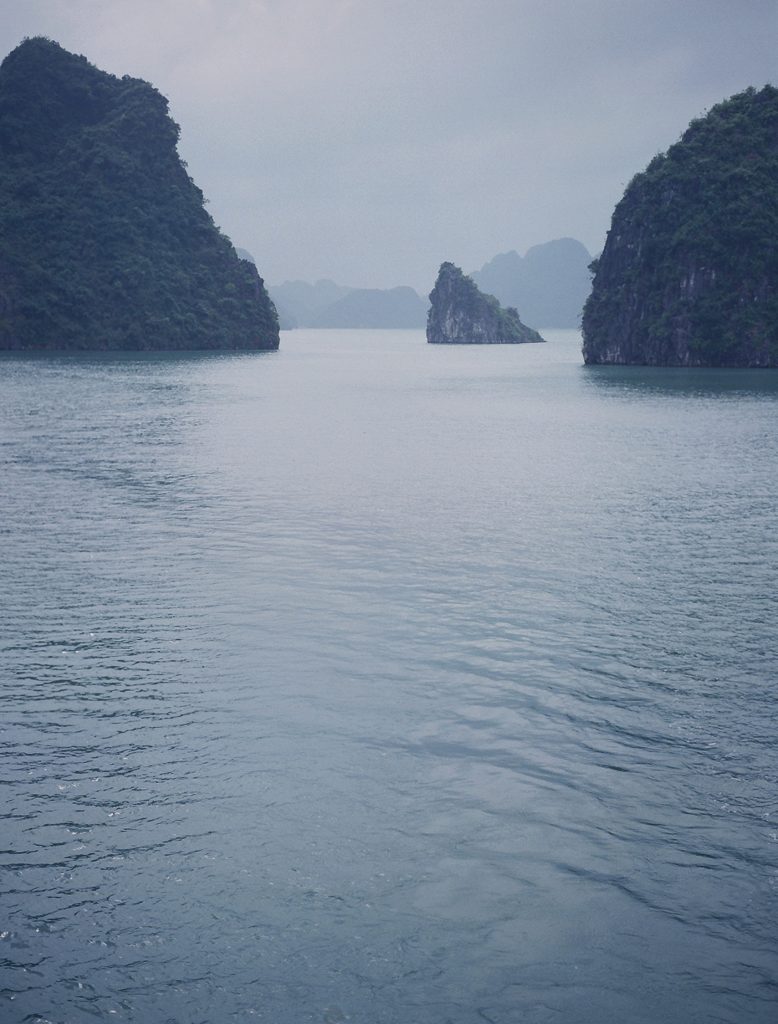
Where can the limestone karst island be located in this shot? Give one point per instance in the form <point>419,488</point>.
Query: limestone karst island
<point>461,314</point>
<point>105,242</point>
<point>689,272</point>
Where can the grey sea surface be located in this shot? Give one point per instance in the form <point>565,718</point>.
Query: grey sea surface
<point>382,682</point>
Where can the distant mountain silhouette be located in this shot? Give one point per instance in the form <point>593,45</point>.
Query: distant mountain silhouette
<point>300,302</point>
<point>375,307</point>
<point>326,304</point>
<point>548,286</point>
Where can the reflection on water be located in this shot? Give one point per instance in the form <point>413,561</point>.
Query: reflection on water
<point>372,681</point>
<point>671,380</point>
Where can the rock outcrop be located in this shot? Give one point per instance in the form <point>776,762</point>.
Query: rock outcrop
<point>689,272</point>
<point>460,314</point>
<point>105,241</point>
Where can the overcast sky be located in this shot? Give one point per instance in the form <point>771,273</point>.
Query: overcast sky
<point>369,140</point>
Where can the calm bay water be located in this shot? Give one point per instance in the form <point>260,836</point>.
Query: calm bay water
<point>380,682</point>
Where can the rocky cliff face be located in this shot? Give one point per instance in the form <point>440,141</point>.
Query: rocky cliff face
<point>105,241</point>
<point>689,272</point>
<point>460,314</point>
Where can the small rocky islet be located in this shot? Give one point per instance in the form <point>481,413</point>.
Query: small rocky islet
<point>461,314</point>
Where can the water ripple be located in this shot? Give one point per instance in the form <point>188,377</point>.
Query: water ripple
<point>376,683</point>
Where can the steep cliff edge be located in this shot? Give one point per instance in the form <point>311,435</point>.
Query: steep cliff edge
<point>460,314</point>
<point>689,272</point>
<point>104,239</point>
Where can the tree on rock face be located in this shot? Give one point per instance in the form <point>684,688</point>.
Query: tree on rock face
<point>104,240</point>
<point>460,314</point>
<point>689,272</point>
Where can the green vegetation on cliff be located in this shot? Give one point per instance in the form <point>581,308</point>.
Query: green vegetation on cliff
<point>461,314</point>
<point>689,272</point>
<point>104,239</point>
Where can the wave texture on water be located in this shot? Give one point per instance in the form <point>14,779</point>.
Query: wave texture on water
<point>372,681</point>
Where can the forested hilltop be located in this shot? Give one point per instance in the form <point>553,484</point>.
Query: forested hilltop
<point>689,272</point>
<point>104,239</point>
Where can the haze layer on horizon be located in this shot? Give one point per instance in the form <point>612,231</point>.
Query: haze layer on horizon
<point>368,141</point>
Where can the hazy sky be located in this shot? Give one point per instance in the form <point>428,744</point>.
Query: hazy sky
<point>369,140</point>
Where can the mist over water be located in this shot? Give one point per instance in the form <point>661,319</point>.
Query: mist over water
<point>384,682</point>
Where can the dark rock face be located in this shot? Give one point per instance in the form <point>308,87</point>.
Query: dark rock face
<point>689,272</point>
<point>460,314</point>
<point>105,242</point>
